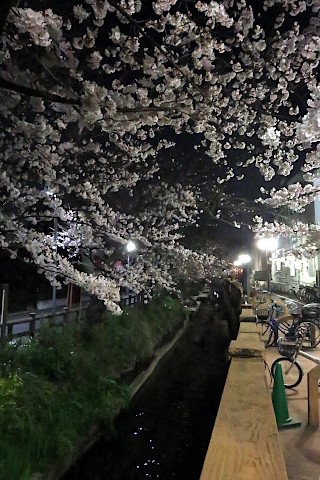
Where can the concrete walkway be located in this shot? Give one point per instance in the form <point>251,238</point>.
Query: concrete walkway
<point>300,446</point>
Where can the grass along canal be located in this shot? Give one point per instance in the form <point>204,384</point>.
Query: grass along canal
<point>63,381</point>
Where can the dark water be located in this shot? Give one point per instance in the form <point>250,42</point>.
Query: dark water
<point>166,432</point>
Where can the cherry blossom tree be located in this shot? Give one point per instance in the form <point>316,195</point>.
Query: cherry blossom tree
<point>94,95</point>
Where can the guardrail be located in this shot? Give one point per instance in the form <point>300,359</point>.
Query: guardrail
<point>132,300</point>
<point>27,326</point>
<point>29,323</point>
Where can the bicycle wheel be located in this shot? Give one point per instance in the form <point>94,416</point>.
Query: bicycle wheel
<point>310,331</point>
<point>291,371</point>
<point>266,333</point>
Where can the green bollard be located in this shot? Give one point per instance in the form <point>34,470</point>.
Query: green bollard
<point>279,400</point>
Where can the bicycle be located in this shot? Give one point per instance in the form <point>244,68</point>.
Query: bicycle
<point>269,329</point>
<point>309,294</point>
<point>291,369</point>
<point>261,304</point>
<point>294,291</point>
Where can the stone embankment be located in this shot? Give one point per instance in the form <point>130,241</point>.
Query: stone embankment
<point>245,440</point>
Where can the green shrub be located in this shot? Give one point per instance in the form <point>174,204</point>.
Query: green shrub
<point>54,387</point>
<point>11,401</point>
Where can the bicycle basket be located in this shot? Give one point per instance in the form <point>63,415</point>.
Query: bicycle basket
<point>262,313</point>
<point>288,348</point>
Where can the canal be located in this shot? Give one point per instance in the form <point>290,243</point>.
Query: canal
<point>166,431</point>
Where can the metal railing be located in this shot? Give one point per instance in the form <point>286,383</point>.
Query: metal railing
<point>132,300</point>
<point>29,322</point>
<point>27,326</point>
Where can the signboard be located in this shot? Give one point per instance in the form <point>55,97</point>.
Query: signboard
<point>261,275</point>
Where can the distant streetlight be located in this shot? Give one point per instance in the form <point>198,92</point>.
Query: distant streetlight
<point>130,248</point>
<point>243,261</point>
<point>267,244</point>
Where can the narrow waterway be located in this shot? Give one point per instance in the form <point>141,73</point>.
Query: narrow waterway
<point>166,432</point>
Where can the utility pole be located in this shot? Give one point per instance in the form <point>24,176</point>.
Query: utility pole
<point>54,287</point>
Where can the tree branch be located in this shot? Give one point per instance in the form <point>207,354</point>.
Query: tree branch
<point>32,92</point>
<point>156,44</point>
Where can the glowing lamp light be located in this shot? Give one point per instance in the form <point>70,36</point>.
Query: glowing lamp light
<point>243,259</point>
<point>267,244</point>
<point>130,246</point>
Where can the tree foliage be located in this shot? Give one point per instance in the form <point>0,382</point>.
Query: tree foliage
<point>94,95</point>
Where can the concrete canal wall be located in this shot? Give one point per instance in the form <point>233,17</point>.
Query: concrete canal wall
<point>245,440</point>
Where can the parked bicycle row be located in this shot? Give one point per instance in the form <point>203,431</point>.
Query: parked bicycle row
<point>290,326</point>
<point>292,371</point>
<point>306,293</point>
<point>292,329</point>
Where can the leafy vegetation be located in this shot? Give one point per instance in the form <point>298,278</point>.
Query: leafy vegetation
<point>58,385</point>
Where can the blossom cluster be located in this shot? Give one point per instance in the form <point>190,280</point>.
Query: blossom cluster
<point>94,96</point>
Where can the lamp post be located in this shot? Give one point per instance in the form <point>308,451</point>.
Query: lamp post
<point>244,261</point>
<point>55,241</point>
<point>54,288</point>
<point>267,244</point>
<point>130,248</point>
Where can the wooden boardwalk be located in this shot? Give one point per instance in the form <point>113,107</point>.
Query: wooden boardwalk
<point>245,440</point>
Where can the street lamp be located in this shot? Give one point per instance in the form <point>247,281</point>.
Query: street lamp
<point>244,261</point>
<point>130,248</point>
<point>267,244</point>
